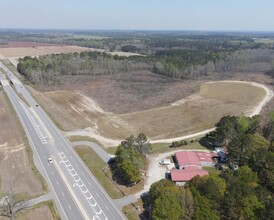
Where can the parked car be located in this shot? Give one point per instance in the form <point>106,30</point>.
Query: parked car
<point>164,162</point>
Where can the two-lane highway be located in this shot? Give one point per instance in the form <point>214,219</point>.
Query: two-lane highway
<point>78,193</point>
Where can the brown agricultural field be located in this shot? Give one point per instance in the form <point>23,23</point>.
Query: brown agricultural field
<point>15,50</point>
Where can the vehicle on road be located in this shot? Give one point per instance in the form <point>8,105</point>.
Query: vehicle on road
<point>50,160</point>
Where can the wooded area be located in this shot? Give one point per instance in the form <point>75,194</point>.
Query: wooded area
<point>46,70</point>
<point>245,193</point>
<point>174,54</point>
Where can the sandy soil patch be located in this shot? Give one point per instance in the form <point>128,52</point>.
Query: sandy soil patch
<point>15,169</point>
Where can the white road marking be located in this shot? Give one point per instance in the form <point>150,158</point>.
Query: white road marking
<point>107,208</point>
<point>69,207</point>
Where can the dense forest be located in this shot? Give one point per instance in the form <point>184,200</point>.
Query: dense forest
<point>244,193</point>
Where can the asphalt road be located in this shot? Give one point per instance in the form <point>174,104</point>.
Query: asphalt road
<point>78,194</point>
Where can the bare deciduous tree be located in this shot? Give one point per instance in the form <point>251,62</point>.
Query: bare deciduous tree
<point>11,204</point>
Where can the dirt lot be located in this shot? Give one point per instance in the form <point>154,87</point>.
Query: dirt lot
<point>192,114</point>
<point>15,168</point>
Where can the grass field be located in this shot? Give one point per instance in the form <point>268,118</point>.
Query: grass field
<point>195,113</point>
<point>96,166</point>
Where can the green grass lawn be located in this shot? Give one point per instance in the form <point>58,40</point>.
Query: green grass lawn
<point>96,166</point>
<point>164,147</point>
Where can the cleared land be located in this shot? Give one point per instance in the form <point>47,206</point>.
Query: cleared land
<point>192,114</point>
<point>15,169</point>
<point>16,172</point>
<point>14,50</point>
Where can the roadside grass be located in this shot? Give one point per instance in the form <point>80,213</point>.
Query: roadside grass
<point>104,175</point>
<point>59,126</point>
<point>96,166</point>
<point>75,138</point>
<point>50,204</point>
<point>52,208</point>
<point>28,148</point>
<point>131,210</point>
<point>111,150</point>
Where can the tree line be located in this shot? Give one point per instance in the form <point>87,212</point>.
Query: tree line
<point>182,64</point>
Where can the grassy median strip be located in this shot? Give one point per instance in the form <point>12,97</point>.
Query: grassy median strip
<point>96,166</point>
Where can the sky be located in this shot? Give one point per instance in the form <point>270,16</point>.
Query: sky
<point>203,15</point>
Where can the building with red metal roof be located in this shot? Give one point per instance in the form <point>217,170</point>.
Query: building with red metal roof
<point>190,164</point>
<point>180,177</point>
<point>187,158</point>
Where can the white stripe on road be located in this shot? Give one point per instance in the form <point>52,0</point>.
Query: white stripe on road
<point>78,203</point>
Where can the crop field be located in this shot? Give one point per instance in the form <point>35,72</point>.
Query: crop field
<point>194,113</point>
<point>15,50</point>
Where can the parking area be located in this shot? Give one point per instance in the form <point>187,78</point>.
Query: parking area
<point>156,171</point>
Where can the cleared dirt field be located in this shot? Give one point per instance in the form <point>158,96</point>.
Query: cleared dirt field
<point>191,114</point>
<point>15,50</point>
<point>15,168</point>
